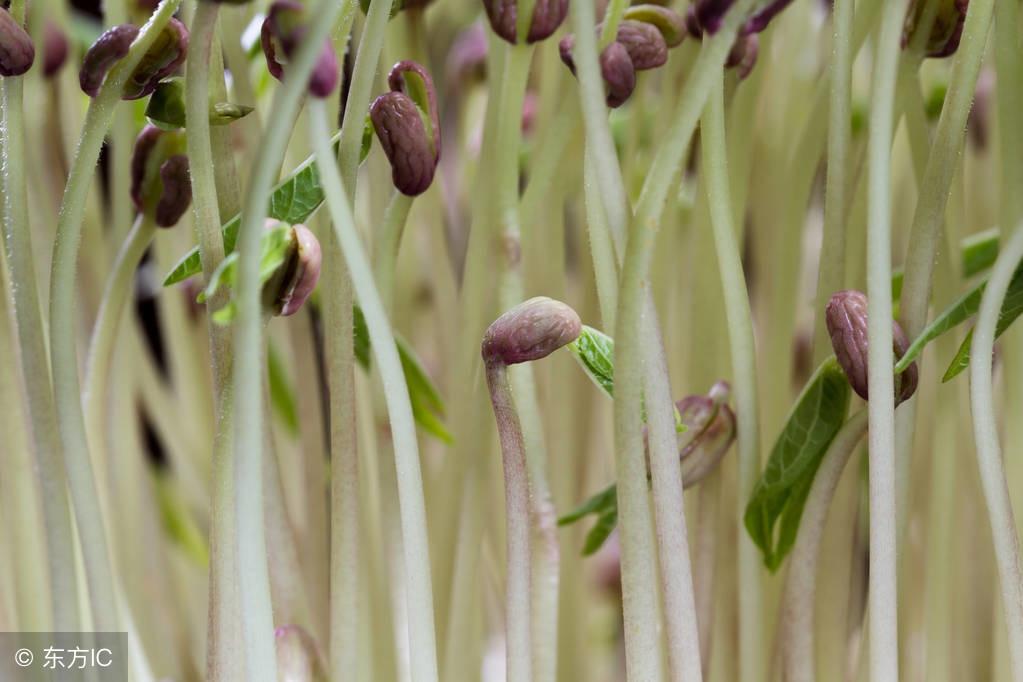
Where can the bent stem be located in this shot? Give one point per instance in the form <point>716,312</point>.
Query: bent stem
<point>989,453</point>
<point>518,646</point>
<point>253,574</point>
<point>883,586</point>
<point>31,347</point>
<point>67,393</point>
<point>799,595</point>
<point>108,322</point>
<point>419,590</point>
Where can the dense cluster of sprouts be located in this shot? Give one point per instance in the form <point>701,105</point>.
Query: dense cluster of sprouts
<point>717,278</point>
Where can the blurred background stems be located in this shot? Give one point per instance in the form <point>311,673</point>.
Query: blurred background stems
<point>31,349</point>
<point>70,421</point>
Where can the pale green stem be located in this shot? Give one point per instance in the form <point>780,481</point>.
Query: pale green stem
<point>363,73</point>
<point>223,619</point>
<point>799,596</point>
<point>989,452</point>
<point>340,359</point>
<point>67,393</point>
<point>942,163</point>
<point>600,145</point>
<point>385,249</point>
<point>605,267</point>
<point>884,633</point>
<point>737,307</point>
<point>419,591</point>
<point>642,641</point>
<point>831,268</point>
<point>518,646</point>
<point>612,18</point>
<point>253,576</point>
<point>118,289</point>
<point>31,347</point>
<point>680,620</point>
<point>543,584</point>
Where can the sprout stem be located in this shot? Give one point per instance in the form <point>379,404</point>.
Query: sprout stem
<point>831,270</point>
<point>385,249</point>
<point>518,647</point>
<point>989,453</point>
<point>108,321</point>
<point>31,347</point>
<point>801,582</point>
<point>63,359</point>
<point>941,168</point>
<point>254,581</point>
<point>737,311</point>
<point>419,591</point>
<point>884,643</point>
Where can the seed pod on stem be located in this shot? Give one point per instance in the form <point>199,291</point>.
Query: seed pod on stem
<point>165,56</point>
<point>406,122</point>
<point>530,331</point>
<point>55,49</point>
<point>946,31</point>
<point>160,183</point>
<point>670,23</point>
<point>711,433</point>
<point>846,319</point>
<point>16,49</point>
<point>743,56</point>
<point>301,272</point>
<point>282,32</point>
<point>644,42</point>
<point>616,68</point>
<point>547,17</point>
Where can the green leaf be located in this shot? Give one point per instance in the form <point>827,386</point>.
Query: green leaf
<point>282,395</point>
<point>597,504</point>
<point>361,338</point>
<point>779,495</point>
<point>178,523</point>
<point>292,201</point>
<point>961,310</point>
<point>1012,308</point>
<point>979,251</point>
<point>600,532</point>
<point>594,350</point>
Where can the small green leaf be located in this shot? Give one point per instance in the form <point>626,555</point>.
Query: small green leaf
<point>282,395</point>
<point>292,201</point>
<point>594,350</point>
<point>963,309</point>
<point>979,251</point>
<point>780,493</point>
<point>1012,308</point>
<point>427,406</point>
<point>597,504</point>
<point>600,532</point>
<point>178,523</point>
<point>361,338</point>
